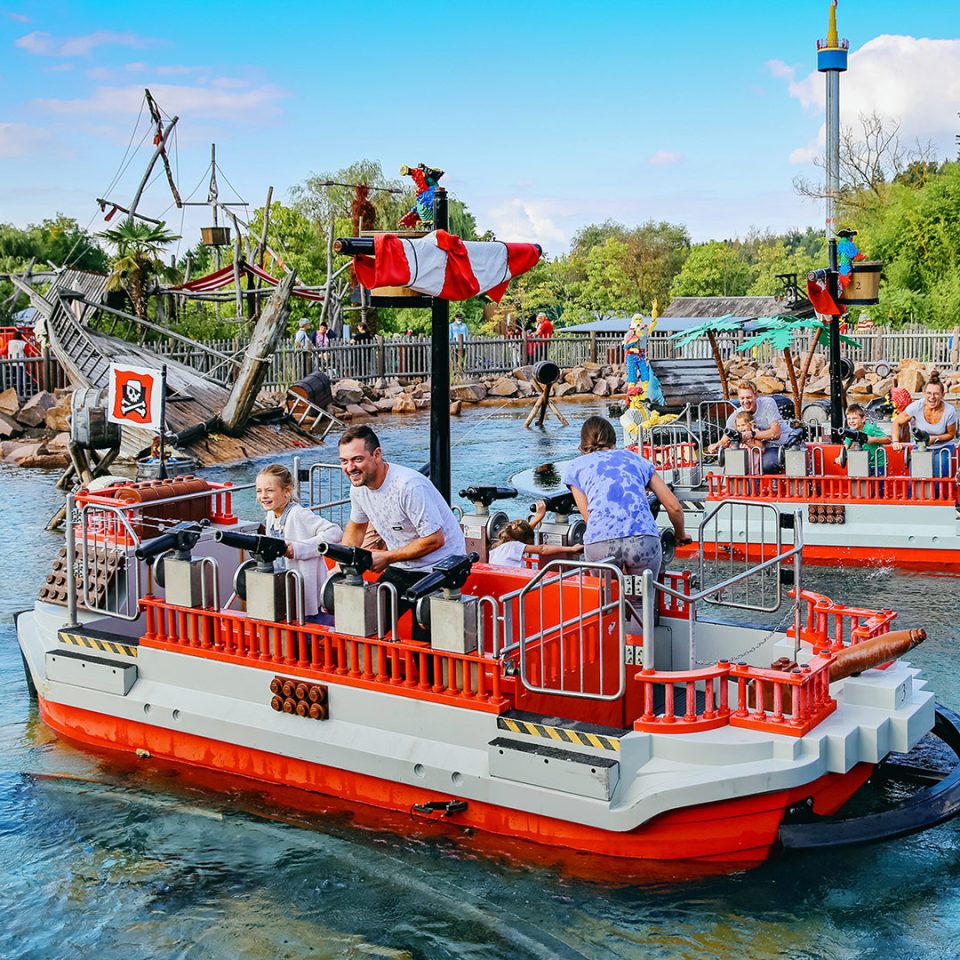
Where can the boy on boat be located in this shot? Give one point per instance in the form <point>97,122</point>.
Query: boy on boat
<point>867,434</point>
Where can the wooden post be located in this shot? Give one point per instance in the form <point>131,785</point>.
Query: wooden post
<point>161,146</point>
<point>593,346</point>
<point>263,342</point>
<point>381,356</point>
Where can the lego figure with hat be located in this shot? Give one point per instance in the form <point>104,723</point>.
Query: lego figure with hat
<point>635,350</point>
<point>639,415</point>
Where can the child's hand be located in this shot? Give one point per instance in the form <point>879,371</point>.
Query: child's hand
<point>540,510</point>
<point>288,553</point>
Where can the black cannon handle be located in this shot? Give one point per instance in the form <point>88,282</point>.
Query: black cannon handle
<point>450,574</point>
<point>559,503</point>
<point>354,557</point>
<point>486,495</point>
<point>264,549</point>
<point>181,537</point>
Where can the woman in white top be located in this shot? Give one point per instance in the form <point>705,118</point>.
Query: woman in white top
<point>302,530</point>
<point>935,420</point>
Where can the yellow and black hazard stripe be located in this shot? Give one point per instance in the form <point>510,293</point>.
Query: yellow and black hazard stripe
<point>564,734</point>
<point>97,643</point>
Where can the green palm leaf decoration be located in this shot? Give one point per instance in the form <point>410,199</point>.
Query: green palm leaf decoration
<point>709,329</point>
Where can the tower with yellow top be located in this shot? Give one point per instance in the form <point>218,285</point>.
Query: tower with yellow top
<point>832,61</point>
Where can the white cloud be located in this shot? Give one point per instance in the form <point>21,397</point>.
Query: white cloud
<point>529,221</point>
<point>780,69</point>
<point>37,42</point>
<point>19,17</point>
<point>803,155</point>
<point>44,44</point>
<point>19,139</point>
<point>198,102</point>
<point>914,81</point>
<point>58,68</point>
<point>665,158</point>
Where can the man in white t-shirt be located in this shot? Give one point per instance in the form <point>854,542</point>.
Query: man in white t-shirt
<point>403,506</point>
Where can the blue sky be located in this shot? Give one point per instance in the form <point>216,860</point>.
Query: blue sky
<point>545,116</point>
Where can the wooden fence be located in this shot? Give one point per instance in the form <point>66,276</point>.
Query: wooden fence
<point>31,375</point>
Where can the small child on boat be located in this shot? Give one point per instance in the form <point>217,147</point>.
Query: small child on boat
<point>746,428</point>
<point>516,540</point>
<point>870,435</point>
<point>302,530</point>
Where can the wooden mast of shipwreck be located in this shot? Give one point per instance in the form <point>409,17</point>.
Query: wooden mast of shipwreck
<point>253,370</point>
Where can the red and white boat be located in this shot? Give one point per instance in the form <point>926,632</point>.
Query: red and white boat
<point>537,711</point>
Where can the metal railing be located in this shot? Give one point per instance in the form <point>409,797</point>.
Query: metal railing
<point>32,375</point>
<point>572,633</point>
<point>732,533</point>
<point>325,489</point>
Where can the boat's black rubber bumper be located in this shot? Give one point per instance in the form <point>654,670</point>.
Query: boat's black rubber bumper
<point>926,809</point>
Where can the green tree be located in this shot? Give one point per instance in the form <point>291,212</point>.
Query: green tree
<point>138,245</point>
<point>715,269</point>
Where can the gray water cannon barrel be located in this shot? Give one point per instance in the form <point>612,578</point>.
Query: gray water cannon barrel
<point>546,372</point>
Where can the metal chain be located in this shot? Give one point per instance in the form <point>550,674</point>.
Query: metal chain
<point>791,611</point>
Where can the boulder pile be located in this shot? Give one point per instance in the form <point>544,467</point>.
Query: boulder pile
<point>353,399</point>
<point>865,386</point>
<point>35,433</point>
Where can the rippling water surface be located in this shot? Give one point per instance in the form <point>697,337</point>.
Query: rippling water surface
<point>98,857</point>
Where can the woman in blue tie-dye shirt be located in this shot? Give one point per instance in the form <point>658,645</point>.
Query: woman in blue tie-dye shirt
<point>610,487</point>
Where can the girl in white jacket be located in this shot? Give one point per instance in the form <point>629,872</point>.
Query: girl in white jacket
<point>302,530</point>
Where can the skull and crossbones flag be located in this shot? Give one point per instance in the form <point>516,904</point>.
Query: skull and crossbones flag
<point>135,396</point>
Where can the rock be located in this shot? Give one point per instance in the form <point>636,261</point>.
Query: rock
<point>523,373</point>
<point>355,410</point>
<point>819,385</point>
<point>468,392</point>
<point>504,387</point>
<point>580,380</point>
<point>423,403</point>
<point>9,402</point>
<point>422,390</point>
<point>769,384</point>
<point>371,408</point>
<point>59,443</point>
<point>11,451</point>
<point>562,389</point>
<point>34,412</point>
<point>410,388</point>
<point>859,371</point>
<point>911,379</point>
<point>455,408</point>
<point>404,404</point>
<point>601,388</point>
<point>527,389</point>
<point>58,417</point>
<point>392,390</point>
<point>613,382</point>
<point>46,461</point>
<point>593,367</point>
<point>346,392</point>
<point>385,403</point>
<point>9,427</point>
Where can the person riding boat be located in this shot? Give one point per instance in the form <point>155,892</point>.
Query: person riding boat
<point>515,541</point>
<point>900,400</point>
<point>769,426</point>
<point>934,421</point>
<point>871,435</point>
<point>610,487</point>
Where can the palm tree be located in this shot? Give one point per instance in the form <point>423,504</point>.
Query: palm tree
<point>779,331</point>
<point>138,245</point>
<point>710,329</point>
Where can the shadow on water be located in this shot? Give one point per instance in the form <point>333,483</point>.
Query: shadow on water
<point>131,860</point>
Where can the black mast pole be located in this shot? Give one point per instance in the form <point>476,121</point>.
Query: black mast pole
<point>440,372</point>
<point>836,379</point>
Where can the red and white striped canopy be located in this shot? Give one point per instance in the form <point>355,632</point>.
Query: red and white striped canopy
<point>444,266</point>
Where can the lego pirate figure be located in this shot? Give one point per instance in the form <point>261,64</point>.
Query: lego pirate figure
<point>847,253</point>
<point>426,180</point>
<point>635,350</point>
<point>639,415</point>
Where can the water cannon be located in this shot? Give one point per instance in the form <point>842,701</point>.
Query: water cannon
<point>562,504</point>
<point>734,459</point>
<point>482,497</point>
<point>264,550</point>
<point>921,437</point>
<point>180,539</point>
<point>174,568</point>
<point>561,531</point>
<point>857,438</point>
<point>481,527</point>
<point>449,575</point>
<point>355,561</point>
<point>256,581</point>
<point>440,607</point>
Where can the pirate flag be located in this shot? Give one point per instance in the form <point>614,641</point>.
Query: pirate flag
<point>135,396</point>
